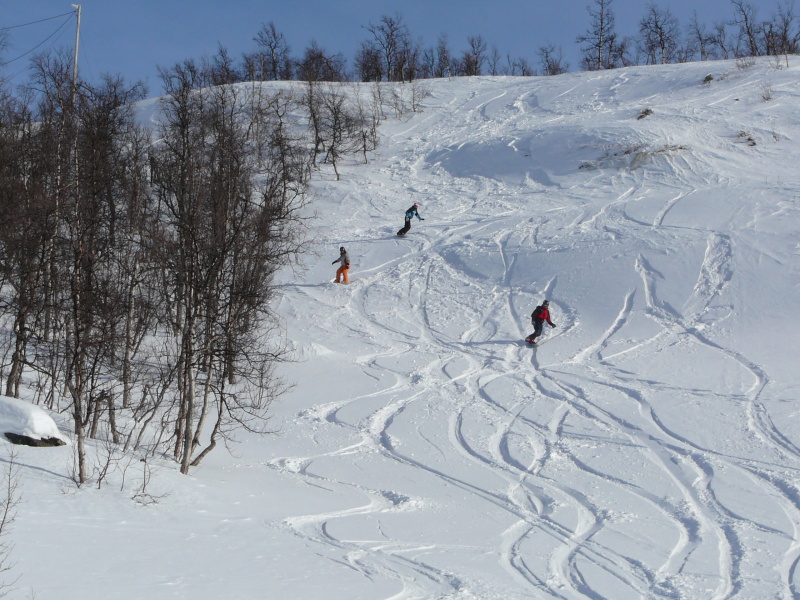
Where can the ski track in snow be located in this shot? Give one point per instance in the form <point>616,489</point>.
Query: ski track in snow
<point>520,429</point>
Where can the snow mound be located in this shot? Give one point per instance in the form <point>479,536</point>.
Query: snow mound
<point>24,418</point>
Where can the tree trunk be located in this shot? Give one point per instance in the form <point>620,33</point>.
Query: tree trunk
<point>15,373</point>
<point>128,358</point>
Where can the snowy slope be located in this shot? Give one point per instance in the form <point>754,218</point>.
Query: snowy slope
<point>649,448</point>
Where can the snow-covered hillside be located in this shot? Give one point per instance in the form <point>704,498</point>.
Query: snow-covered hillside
<point>649,448</point>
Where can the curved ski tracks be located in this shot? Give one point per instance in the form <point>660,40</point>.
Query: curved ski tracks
<point>524,422</point>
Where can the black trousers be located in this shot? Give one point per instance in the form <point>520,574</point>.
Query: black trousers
<point>405,228</point>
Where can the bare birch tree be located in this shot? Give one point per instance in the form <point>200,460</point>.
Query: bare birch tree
<point>602,49</point>
<point>231,192</point>
<point>659,35</point>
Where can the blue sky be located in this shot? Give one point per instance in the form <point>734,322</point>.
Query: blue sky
<point>133,38</point>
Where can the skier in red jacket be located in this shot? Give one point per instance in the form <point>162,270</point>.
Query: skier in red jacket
<point>538,317</point>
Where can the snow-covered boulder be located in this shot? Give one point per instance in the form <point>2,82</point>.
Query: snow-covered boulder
<point>24,423</point>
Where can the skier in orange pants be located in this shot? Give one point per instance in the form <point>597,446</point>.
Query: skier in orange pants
<point>341,272</point>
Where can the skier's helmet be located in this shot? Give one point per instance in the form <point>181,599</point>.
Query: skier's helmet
<point>415,204</point>
<point>341,249</point>
<point>546,303</point>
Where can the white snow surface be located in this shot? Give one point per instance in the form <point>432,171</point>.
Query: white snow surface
<point>648,448</point>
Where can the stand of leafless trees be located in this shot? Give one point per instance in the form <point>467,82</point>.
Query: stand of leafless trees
<point>661,39</point>
<point>137,264</point>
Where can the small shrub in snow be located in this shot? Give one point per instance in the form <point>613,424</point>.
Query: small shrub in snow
<point>766,91</point>
<point>746,137</point>
<point>419,92</point>
<point>9,499</point>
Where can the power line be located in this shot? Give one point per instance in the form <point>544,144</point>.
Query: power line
<point>35,22</point>
<point>60,27</point>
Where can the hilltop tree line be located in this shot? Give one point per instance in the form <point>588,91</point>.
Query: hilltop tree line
<point>137,262</point>
<point>661,38</point>
<point>391,53</point>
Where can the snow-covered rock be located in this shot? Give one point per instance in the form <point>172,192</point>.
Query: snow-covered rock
<point>25,423</point>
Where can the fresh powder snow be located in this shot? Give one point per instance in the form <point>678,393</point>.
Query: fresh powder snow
<point>648,448</point>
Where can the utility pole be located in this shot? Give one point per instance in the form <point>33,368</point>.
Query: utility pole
<point>75,59</point>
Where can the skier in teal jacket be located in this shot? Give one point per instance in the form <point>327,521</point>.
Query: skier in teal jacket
<point>410,214</point>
